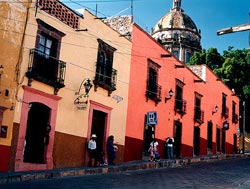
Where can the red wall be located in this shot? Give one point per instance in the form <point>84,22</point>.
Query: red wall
<point>144,48</point>
<point>4,158</point>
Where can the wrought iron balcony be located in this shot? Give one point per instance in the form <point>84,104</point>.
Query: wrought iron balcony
<point>180,106</point>
<point>153,92</point>
<point>235,118</point>
<point>105,77</point>
<point>198,115</point>
<point>224,112</point>
<point>46,69</point>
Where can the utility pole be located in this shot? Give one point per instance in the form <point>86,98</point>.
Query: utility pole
<point>233,29</point>
<point>244,124</point>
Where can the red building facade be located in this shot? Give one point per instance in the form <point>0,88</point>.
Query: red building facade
<point>167,98</point>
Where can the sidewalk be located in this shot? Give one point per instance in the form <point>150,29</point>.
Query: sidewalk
<point>127,166</point>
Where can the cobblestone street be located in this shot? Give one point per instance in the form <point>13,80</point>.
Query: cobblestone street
<point>233,173</point>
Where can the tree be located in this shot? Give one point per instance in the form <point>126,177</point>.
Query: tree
<point>211,58</point>
<point>235,71</point>
<point>198,58</point>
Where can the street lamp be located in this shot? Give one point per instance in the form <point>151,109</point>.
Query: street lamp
<point>215,110</point>
<point>170,93</point>
<point>82,99</point>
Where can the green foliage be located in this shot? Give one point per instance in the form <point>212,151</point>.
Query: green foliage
<point>211,58</point>
<point>236,68</point>
<point>198,58</point>
<point>233,67</point>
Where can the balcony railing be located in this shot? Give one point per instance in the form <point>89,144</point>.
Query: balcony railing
<point>46,69</point>
<point>180,106</point>
<point>198,115</point>
<point>105,77</point>
<point>224,112</point>
<point>235,118</point>
<point>153,92</point>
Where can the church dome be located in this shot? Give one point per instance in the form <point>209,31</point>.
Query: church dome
<point>177,32</point>
<point>175,19</point>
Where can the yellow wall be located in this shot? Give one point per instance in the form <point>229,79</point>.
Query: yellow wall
<point>79,51</point>
<point>12,17</point>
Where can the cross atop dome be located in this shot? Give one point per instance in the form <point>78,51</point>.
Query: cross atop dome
<point>177,4</point>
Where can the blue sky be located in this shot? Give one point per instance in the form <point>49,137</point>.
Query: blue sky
<point>208,15</point>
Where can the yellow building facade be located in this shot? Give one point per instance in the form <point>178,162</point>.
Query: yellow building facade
<point>72,74</point>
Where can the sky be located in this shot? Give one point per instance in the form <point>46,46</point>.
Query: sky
<point>208,15</point>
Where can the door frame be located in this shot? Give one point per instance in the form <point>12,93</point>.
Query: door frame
<point>105,109</point>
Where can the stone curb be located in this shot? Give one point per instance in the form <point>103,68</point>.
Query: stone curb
<point>128,166</point>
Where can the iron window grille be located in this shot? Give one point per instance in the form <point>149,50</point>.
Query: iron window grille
<point>46,69</point>
<point>106,76</point>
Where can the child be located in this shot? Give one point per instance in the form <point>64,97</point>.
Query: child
<point>153,149</point>
<point>101,159</point>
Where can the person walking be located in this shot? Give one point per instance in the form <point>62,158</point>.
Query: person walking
<point>111,150</point>
<point>153,150</point>
<point>92,151</point>
<point>170,147</point>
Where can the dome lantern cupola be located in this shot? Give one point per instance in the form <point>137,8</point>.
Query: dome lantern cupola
<point>177,4</point>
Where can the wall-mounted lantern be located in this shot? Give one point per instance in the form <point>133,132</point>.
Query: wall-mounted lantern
<point>225,125</point>
<point>81,101</point>
<point>170,93</point>
<point>215,110</point>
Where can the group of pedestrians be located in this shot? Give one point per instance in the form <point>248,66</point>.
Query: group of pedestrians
<point>98,156</point>
<point>169,149</point>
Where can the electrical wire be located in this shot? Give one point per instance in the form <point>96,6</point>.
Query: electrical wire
<point>94,36</point>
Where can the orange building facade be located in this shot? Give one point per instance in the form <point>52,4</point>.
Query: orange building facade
<point>201,114</point>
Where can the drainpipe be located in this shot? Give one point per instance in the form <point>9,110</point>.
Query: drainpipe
<point>18,65</point>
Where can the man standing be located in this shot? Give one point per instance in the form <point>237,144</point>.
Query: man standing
<point>170,147</point>
<point>92,151</point>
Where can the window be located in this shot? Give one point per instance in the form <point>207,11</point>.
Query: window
<point>198,113</point>
<point>235,116</point>
<point>224,112</point>
<point>176,54</point>
<point>176,36</point>
<point>153,90</point>
<point>105,74</point>
<point>188,56</point>
<point>180,103</point>
<point>44,65</point>
<point>45,45</point>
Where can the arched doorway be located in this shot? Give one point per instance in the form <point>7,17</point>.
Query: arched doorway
<point>35,139</point>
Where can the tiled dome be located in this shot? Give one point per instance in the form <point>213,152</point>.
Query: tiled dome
<point>176,18</point>
<point>177,32</point>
